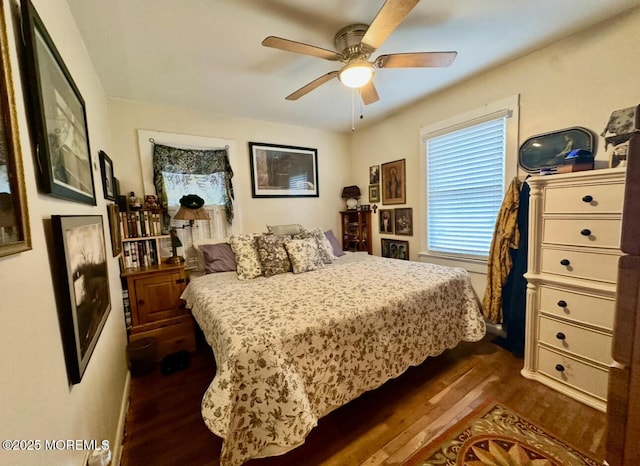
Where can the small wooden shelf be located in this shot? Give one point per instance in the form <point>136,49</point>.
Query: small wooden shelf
<point>356,230</point>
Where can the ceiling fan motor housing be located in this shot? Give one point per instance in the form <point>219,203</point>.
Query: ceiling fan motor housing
<point>347,42</point>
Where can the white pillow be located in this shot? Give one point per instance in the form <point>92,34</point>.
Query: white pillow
<point>199,254</point>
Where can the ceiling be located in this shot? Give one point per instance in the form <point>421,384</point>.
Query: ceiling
<point>206,55</point>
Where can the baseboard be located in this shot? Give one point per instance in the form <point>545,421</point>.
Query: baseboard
<point>124,407</point>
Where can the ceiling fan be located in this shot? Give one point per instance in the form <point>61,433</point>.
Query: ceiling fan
<point>354,45</point>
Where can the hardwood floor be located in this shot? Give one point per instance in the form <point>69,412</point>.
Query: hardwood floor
<point>381,427</point>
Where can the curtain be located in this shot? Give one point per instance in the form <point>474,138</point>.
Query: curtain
<point>192,161</point>
<point>505,238</point>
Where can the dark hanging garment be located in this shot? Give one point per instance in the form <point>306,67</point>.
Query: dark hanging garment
<point>514,293</point>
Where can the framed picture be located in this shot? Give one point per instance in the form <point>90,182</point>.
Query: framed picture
<point>15,235</point>
<point>374,193</point>
<point>83,288</point>
<point>374,174</point>
<point>283,171</point>
<point>403,219</point>
<point>114,229</point>
<point>550,150</point>
<point>395,249</point>
<point>394,190</point>
<point>386,221</point>
<point>57,116</point>
<point>108,181</point>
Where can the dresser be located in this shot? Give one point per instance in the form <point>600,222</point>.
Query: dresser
<point>574,247</point>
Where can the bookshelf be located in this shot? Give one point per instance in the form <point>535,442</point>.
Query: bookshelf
<point>142,238</point>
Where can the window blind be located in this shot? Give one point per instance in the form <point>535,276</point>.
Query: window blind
<point>465,187</point>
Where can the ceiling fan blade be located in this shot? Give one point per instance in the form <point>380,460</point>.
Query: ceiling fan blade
<point>312,85</point>
<point>416,60</point>
<point>298,47</point>
<point>392,13</point>
<point>368,93</point>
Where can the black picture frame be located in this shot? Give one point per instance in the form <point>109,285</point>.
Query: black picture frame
<point>57,116</point>
<point>108,180</point>
<point>15,234</point>
<point>374,193</point>
<point>114,229</point>
<point>283,171</point>
<point>82,290</point>
<point>403,221</point>
<point>550,149</point>
<point>395,249</point>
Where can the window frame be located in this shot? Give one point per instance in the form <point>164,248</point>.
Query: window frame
<point>508,107</point>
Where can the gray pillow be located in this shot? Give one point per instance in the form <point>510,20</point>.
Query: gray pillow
<point>285,230</point>
<point>335,244</point>
<point>218,258</point>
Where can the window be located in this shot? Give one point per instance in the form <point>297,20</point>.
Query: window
<point>467,166</point>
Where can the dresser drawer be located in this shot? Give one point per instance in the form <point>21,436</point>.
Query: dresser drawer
<point>599,233</point>
<point>577,340</point>
<point>578,264</point>
<point>592,199</point>
<point>580,375</point>
<point>583,308</point>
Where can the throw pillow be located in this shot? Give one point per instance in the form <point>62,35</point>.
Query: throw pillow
<point>324,247</point>
<point>335,244</point>
<point>304,255</point>
<point>285,230</point>
<point>273,255</point>
<point>247,260</point>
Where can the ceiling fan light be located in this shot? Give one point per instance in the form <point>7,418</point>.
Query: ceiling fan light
<point>356,74</point>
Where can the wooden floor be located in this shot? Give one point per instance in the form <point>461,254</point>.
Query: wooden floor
<point>381,427</point>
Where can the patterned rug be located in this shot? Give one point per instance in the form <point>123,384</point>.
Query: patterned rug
<point>494,435</point>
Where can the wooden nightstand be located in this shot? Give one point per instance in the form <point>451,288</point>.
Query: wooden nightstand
<point>157,310</point>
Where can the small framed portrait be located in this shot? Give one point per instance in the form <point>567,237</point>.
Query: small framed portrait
<point>108,183</point>
<point>403,221</point>
<point>386,221</point>
<point>394,190</point>
<point>374,193</point>
<point>374,174</point>
<point>395,249</point>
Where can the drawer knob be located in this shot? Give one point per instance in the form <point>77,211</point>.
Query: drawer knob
<point>585,232</point>
<point>587,198</point>
<point>559,367</point>
<point>562,303</point>
<point>565,262</point>
<point>560,336</point>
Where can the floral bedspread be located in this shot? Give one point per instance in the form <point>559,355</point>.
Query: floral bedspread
<point>291,348</point>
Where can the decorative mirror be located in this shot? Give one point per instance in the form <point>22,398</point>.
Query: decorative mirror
<point>549,150</point>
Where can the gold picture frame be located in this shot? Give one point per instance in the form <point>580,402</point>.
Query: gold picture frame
<point>15,235</point>
<point>394,189</point>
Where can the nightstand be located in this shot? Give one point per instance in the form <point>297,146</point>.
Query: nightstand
<point>157,310</point>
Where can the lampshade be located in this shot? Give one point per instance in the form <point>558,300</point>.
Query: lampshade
<point>356,74</point>
<point>184,213</point>
<point>350,191</point>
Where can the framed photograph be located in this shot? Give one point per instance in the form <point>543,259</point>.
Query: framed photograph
<point>395,249</point>
<point>374,193</point>
<point>114,229</point>
<point>386,221</point>
<point>394,190</point>
<point>374,174</point>
<point>83,288</point>
<point>57,116</point>
<point>403,219</point>
<point>108,181</point>
<point>283,171</point>
<point>15,235</point>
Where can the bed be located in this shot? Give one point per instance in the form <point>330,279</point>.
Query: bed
<point>290,348</point>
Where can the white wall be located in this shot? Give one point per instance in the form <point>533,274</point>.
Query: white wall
<point>36,400</point>
<point>575,82</point>
<point>127,117</point>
